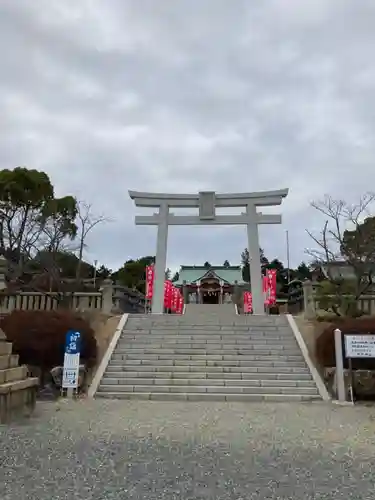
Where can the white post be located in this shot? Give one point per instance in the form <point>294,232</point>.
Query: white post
<point>340,382</point>
<point>160,261</point>
<point>255,267</point>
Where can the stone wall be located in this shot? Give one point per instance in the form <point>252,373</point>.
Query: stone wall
<point>17,389</point>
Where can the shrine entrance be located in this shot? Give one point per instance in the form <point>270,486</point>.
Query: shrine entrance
<point>211,297</point>
<point>206,203</point>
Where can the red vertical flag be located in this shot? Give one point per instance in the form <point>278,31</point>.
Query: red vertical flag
<point>180,304</point>
<point>150,274</point>
<point>175,295</point>
<point>167,294</point>
<point>271,277</point>
<point>247,302</point>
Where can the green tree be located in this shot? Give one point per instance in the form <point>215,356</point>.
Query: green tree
<point>57,225</point>
<point>338,297</point>
<point>226,263</point>
<point>282,272</point>
<point>24,195</point>
<point>302,272</point>
<point>32,219</point>
<point>103,272</point>
<point>245,262</point>
<point>65,262</point>
<point>133,273</point>
<point>207,265</point>
<point>176,276</point>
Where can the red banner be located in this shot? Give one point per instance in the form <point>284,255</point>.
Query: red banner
<point>150,274</point>
<point>172,296</point>
<point>269,287</point>
<point>247,302</point>
<point>271,275</point>
<point>180,304</point>
<point>168,294</point>
<point>175,296</point>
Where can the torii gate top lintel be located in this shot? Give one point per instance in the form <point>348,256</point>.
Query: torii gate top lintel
<point>257,198</point>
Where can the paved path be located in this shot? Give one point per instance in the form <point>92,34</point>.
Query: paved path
<point>149,450</point>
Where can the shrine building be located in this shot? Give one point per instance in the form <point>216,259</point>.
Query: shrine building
<point>211,285</point>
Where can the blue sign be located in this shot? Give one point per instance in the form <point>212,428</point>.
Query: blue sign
<point>72,342</point>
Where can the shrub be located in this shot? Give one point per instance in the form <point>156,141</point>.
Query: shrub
<point>325,345</point>
<point>38,337</point>
<point>338,297</point>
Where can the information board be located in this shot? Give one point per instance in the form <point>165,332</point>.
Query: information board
<point>71,360</point>
<point>360,346</point>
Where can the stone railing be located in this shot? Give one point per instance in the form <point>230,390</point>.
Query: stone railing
<point>83,301</point>
<point>366,303</point>
<point>128,300</point>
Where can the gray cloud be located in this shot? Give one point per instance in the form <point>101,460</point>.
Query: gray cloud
<point>231,96</point>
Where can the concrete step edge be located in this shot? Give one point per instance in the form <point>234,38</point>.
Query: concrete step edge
<point>216,364</point>
<point>206,374</point>
<point>205,369</point>
<point>191,396</point>
<point>209,389</point>
<point>224,382</point>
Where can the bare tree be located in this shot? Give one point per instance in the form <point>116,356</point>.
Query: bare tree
<point>86,222</point>
<point>347,236</point>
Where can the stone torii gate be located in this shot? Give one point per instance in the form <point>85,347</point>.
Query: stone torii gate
<point>206,202</point>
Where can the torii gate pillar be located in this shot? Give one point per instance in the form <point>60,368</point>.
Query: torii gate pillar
<point>206,202</point>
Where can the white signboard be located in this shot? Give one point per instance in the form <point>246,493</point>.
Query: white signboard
<point>71,360</point>
<point>71,371</point>
<point>360,346</point>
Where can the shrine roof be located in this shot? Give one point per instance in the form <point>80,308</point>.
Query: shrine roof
<point>192,274</point>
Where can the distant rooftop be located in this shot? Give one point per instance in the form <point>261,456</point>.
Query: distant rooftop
<point>192,274</point>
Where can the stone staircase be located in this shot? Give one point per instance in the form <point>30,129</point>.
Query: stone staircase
<point>208,354</point>
<point>17,390</point>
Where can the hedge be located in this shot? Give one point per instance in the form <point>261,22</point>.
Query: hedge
<point>38,337</point>
<point>325,345</point>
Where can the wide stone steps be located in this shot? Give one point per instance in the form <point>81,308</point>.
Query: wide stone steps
<point>206,397</point>
<point>121,380</point>
<point>208,357</point>
<point>207,339</point>
<point>202,348</point>
<point>263,372</point>
<point>205,327</point>
<point>135,360</point>
<point>214,339</point>
<point>224,349</point>
<point>121,372</point>
<point>221,389</point>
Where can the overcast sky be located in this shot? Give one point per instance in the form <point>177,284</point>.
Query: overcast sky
<point>183,96</point>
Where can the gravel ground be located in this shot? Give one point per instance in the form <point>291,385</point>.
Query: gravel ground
<point>152,450</point>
